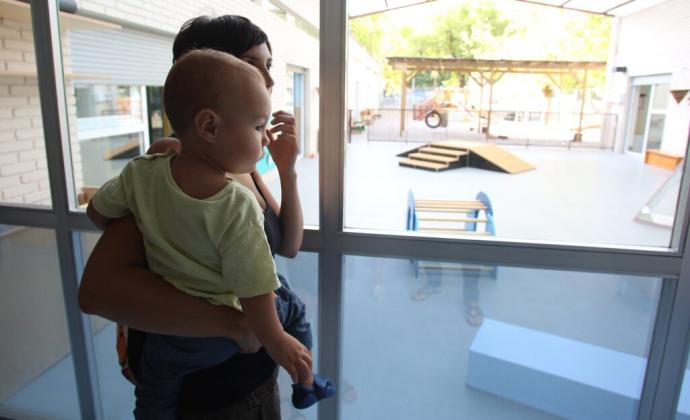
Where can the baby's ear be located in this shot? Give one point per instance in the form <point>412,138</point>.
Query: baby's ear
<point>206,125</point>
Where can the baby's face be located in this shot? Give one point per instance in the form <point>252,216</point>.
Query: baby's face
<point>242,130</point>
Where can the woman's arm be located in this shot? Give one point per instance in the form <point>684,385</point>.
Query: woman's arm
<point>284,150</point>
<point>116,285</point>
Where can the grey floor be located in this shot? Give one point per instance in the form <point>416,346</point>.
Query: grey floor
<point>403,358</point>
<point>580,196</point>
<point>407,359</point>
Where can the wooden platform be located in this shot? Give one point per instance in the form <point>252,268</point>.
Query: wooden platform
<point>662,159</point>
<point>451,154</point>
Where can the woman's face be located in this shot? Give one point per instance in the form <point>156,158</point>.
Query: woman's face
<point>260,57</point>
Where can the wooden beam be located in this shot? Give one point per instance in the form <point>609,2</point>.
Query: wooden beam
<point>578,135</point>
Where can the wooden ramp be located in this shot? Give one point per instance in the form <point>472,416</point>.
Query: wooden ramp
<point>488,156</point>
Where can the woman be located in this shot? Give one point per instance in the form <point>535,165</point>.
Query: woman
<point>117,286</point>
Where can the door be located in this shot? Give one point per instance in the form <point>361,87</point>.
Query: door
<point>648,104</point>
<point>295,103</point>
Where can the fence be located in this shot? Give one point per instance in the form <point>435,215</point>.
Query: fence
<point>526,128</point>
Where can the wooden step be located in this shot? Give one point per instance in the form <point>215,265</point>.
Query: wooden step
<point>447,202</point>
<point>441,208</point>
<point>440,151</point>
<point>112,153</point>
<point>451,219</point>
<point>454,231</point>
<point>432,158</point>
<point>454,210</point>
<point>423,164</point>
<point>464,146</point>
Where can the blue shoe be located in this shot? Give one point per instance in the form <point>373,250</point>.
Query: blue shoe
<point>303,397</point>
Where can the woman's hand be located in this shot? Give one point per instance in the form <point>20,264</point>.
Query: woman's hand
<point>283,146</point>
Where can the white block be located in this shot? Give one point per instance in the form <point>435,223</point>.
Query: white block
<point>558,375</point>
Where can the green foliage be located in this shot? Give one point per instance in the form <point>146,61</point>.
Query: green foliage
<point>478,29</point>
<point>584,40</point>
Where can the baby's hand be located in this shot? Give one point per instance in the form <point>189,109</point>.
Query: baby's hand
<point>293,357</point>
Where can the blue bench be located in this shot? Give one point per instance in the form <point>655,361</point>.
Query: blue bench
<point>558,375</point>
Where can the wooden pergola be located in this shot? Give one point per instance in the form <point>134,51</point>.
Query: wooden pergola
<point>488,72</point>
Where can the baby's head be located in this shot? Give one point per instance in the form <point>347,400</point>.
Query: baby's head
<point>219,107</point>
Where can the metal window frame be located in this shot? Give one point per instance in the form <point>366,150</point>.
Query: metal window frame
<point>669,341</point>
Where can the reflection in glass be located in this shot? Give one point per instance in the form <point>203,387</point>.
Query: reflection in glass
<point>117,394</point>
<point>23,164</point>
<point>458,340</point>
<point>662,97</point>
<point>656,131</point>
<point>35,356</point>
<point>683,409</point>
<point>301,273</point>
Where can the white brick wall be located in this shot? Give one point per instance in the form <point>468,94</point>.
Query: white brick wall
<point>23,173</point>
<point>290,45</point>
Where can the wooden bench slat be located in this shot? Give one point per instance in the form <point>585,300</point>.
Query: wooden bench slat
<point>451,219</point>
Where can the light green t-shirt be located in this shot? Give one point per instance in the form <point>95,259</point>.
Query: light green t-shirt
<point>213,248</point>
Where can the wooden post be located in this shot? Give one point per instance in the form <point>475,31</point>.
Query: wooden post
<point>403,101</point>
<point>491,100</point>
<point>481,101</point>
<point>578,135</point>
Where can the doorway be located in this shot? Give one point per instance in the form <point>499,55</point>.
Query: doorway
<point>296,104</point>
<point>649,104</point>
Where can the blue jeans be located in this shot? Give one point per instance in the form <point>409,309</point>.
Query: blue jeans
<point>166,359</point>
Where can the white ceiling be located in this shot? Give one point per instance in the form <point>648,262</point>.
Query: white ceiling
<point>362,7</point>
<point>611,7</point>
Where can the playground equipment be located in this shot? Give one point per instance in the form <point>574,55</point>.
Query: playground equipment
<point>443,155</point>
<point>454,217</point>
<point>661,208</point>
<point>435,109</point>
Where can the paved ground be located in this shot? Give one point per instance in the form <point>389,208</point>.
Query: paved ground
<point>586,196</point>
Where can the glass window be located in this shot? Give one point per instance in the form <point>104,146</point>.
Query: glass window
<point>23,164</point>
<point>301,273</point>
<point>35,356</point>
<point>106,100</point>
<point>461,340</point>
<point>683,409</point>
<point>662,97</point>
<point>117,394</point>
<point>115,92</point>
<point>540,137</point>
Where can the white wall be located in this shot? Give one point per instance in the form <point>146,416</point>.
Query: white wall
<point>655,41</point>
<point>291,46</point>
<point>365,81</point>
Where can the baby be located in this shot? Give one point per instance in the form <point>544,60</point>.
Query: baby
<point>203,232</point>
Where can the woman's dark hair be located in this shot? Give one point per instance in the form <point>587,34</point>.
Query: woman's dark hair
<point>229,33</point>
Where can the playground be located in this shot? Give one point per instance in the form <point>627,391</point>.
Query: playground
<point>579,195</point>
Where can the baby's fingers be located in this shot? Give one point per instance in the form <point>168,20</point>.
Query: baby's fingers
<point>304,370</point>
<point>293,372</point>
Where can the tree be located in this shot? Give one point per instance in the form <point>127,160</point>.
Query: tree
<point>467,31</point>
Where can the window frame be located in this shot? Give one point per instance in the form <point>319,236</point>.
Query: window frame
<point>668,347</point>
